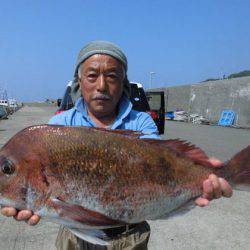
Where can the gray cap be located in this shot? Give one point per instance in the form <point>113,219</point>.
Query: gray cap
<point>101,47</point>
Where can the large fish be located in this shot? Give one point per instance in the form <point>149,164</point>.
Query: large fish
<point>94,178</point>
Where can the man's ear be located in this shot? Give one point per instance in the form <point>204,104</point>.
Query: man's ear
<point>79,86</point>
<point>79,83</point>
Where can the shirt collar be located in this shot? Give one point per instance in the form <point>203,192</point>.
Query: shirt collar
<point>125,107</point>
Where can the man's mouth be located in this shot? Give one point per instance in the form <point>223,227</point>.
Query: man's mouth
<point>101,97</point>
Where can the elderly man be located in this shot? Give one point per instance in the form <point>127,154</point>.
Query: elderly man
<point>101,72</point>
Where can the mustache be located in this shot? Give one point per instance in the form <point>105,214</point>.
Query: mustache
<point>101,96</point>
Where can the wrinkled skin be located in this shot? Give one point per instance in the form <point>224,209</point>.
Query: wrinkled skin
<point>101,84</point>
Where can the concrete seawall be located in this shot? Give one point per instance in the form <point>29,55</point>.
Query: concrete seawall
<point>210,98</point>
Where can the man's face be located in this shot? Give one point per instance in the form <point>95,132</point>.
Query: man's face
<point>101,84</point>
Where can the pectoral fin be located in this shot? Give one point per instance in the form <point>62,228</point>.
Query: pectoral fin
<point>80,214</point>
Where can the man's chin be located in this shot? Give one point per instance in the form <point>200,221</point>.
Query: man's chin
<point>101,110</point>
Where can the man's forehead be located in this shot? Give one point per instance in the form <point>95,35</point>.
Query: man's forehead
<point>99,60</point>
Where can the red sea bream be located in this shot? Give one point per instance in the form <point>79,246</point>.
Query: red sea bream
<point>94,178</point>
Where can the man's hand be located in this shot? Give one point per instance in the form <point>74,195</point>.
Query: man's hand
<point>214,187</point>
<point>22,215</point>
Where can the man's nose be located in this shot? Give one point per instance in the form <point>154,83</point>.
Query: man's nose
<point>101,85</point>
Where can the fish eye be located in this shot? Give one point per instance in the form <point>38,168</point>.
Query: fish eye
<point>8,167</point>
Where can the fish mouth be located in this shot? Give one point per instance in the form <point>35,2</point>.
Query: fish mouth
<point>24,200</point>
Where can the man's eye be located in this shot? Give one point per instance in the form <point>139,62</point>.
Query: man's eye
<point>112,76</point>
<point>91,75</point>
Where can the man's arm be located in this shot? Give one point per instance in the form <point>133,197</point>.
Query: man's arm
<point>147,126</point>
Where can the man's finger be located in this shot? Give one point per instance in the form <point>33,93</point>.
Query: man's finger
<point>34,220</point>
<point>202,202</point>
<point>215,162</point>
<point>207,189</point>
<point>23,215</point>
<point>217,192</point>
<point>227,191</point>
<point>8,211</point>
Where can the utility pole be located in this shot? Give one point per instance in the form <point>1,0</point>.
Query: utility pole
<point>151,78</point>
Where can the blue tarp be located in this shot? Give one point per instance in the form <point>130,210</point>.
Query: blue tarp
<point>227,118</point>
<point>169,115</point>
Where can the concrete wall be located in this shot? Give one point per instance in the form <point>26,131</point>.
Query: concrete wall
<point>39,104</point>
<point>209,99</point>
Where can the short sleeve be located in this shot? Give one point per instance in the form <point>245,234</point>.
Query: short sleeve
<point>147,126</point>
<point>58,120</point>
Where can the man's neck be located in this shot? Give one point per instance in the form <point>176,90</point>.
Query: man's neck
<point>102,121</point>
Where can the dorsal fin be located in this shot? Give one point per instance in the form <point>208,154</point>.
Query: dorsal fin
<point>184,148</point>
<point>125,132</point>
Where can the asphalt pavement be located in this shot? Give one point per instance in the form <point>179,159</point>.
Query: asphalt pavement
<point>224,224</point>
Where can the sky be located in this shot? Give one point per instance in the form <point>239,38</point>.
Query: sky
<point>182,42</point>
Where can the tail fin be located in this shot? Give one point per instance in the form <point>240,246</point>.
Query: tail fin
<point>239,169</point>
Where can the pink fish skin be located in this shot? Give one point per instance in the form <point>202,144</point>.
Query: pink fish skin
<point>96,178</point>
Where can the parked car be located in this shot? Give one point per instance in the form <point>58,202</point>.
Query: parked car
<point>66,101</point>
<point>140,100</point>
<point>3,112</point>
<point>157,108</point>
<point>151,102</point>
